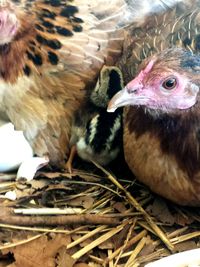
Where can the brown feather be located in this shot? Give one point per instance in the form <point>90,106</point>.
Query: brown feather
<point>56,54</point>
<point>176,27</point>
<point>163,150</point>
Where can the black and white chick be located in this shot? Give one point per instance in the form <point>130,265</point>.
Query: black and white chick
<point>96,134</point>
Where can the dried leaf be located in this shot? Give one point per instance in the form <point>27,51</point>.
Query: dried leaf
<point>120,206</point>
<point>118,239</point>
<point>24,192</point>
<point>148,248</point>
<point>183,220</point>
<point>39,252</point>
<point>185,246</point>
<point>50,250</point>
<point>50,175</point>
<point>57,187</point>
<point>160,210</point>
<point>64,259</point>
<point>83,201</point>
<point>38,184</point>
<point>89,177</point>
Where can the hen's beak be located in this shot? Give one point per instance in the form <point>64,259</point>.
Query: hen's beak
<point>133,93</point>
<point>122,98</point>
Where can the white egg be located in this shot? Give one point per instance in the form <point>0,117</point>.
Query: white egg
<point>190,258</point>
<point>30,166</point>
<point>14,148</point>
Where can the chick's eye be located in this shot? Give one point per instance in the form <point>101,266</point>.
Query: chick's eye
<point>169,84</point>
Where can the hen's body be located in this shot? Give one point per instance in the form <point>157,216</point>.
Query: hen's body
<point>50,52</point>
<point>54,54</point>
<point>162,144</point>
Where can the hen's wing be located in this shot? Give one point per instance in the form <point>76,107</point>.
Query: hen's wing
<point>57,52</point>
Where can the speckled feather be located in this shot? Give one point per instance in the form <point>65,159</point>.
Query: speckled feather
<point>178,27</point>
<point>56,53</point>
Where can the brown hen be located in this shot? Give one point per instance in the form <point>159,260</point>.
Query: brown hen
<point>50,52</point>
<point>162,126</point>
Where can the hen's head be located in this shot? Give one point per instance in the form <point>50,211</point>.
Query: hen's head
<point>169,81</point>
<point>9,22</point>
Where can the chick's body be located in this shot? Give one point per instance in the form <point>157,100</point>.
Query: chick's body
<point>161,127</point>
<point>97,134</point>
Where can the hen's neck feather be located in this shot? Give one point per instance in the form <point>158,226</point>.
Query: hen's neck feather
<point>178,27</point>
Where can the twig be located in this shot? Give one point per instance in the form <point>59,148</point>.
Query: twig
<point>179,239</point>
<point>48,211</point>
<point>128,245</point>
<point>8,217</point>
<point>86,236</point>
<point>7,177</point>
<point>98,241</point>
<point>111,264</point>
<point>44,230</point>
<point>129,234</point>
<point>97,260</point>
<point>135,252</point>
<point>20,242</point>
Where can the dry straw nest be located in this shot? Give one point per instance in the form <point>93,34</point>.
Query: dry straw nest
<point>94,217</point>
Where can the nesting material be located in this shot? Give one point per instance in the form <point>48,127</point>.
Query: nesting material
<point>93,218</point>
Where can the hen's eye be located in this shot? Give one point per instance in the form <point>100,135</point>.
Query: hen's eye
<point>169,84</point>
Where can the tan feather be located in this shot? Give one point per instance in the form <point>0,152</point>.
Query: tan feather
<point>56,54</point>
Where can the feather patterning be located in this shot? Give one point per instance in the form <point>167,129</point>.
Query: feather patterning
<point>50,52</point>
<point>161,138</point>
<point>97,134</point>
